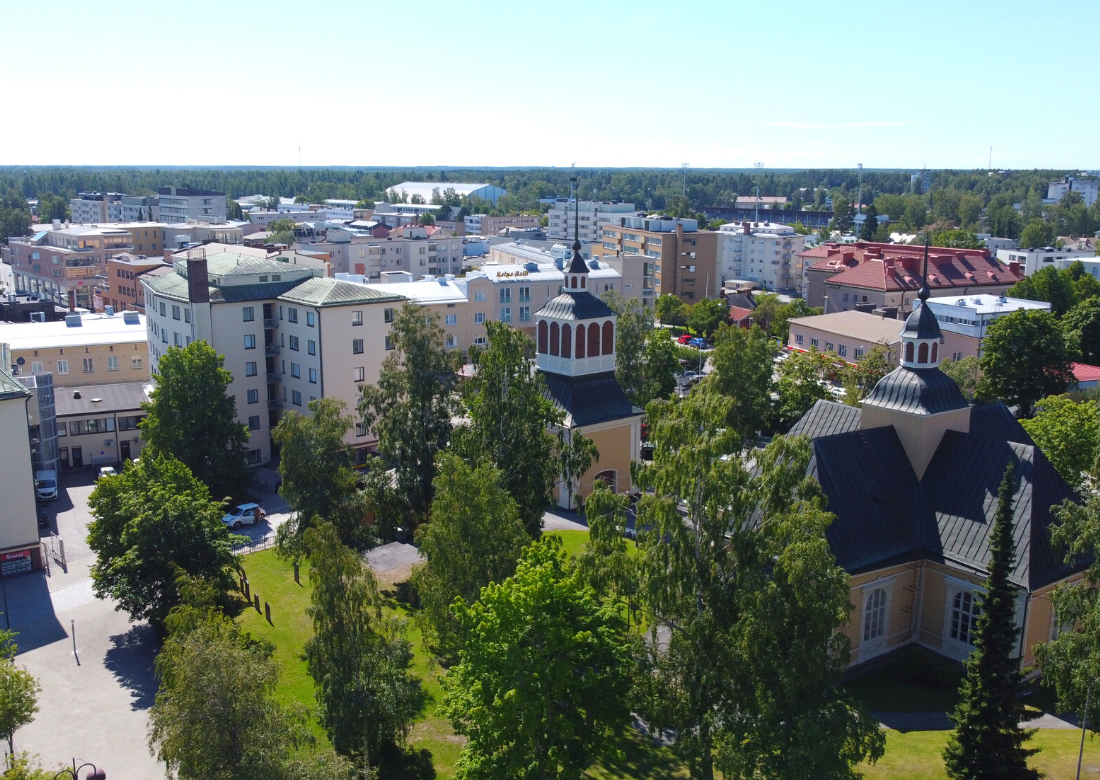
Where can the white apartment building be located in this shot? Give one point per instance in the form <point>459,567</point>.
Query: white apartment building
<point>183,204</point>
<point>288,335</point>
<point>95,208</point>
<point>1089,189</point>
<point>970,315</point>
<point>1031,260</point>
<point>593,216</point>
<point>414,249</point>
<point>763,252</point>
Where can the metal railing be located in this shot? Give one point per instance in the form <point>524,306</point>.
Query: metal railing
<point>269,323</point>
<point>271,349</point>
<point>252,545</point>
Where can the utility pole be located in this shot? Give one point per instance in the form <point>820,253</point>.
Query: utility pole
<point>685,167</point>
<point>758,166</point>
<point>859,197</point>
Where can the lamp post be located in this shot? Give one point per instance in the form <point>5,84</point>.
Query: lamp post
<point>74,773</point>
<point>758,166</point>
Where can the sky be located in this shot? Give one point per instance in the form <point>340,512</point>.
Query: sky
<point>596,84</point>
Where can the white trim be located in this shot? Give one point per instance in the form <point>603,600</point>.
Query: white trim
<point>880,582</point>
<point>869,648</point>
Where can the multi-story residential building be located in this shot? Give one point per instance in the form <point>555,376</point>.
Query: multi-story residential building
<point>415,249</point>
<point>121,291</point>
<point>766,202</point>
<point>485,225</point>
<point>139,208</point>
<point>679,258</point>
<point>20,550</point>
<point>82,349</point>
<point>96,208</point>
<point>592,217</point>
<point>1032,260</point>
<point>183,204</point>
<point>766,253</point>
<point>840,276</point>
<point>1088,188</point>
<point>71,260</point>
<point>288,335</point>
<point>427,190</point>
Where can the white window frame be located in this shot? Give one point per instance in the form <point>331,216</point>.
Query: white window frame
<point>869,648</point>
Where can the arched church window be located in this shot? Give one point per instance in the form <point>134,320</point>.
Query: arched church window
<point>543,333</point>
<point>608,338</point>
<point>554,338</point>
<point>594,340</point>
<point>566,341</point>
<point>580,341</point>
<point>909,352</point>
<point>935,351</point>
<point>922,353</point>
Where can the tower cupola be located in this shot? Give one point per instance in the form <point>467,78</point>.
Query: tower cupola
<point>921,337</point>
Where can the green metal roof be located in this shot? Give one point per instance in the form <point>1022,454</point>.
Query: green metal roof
<point>332,292</point>
<point>9,388</point>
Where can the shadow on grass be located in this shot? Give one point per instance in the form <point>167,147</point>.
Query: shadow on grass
<point>915,681</point>
<point>407,764</point>
<point>641,758</point>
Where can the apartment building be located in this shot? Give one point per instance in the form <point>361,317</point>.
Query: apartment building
<point>20,550</point>
<point>766,202</point>
<point>766,253</point>
<point>485,225</point>
<point>183,204</point>
<point>53,264</point>
<point>1088,189</point>
<point>1033,260</point>
<point>288,334</point>
<point>121,291</point>
<point>419,250</point>
<point>82,349</point>
<point>96,207</point>
<point>592,217</point>
<point>677,258</point>
<point>99,424</point>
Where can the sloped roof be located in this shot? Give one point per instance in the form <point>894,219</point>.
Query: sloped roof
<point>9,388</point>
<point>1083,372</point>
<point>921,324</point>
<point>855,325</point>
<point>917,391</point>
<point>575,305</point>
<point>320,292</point>
<point>590,398</point>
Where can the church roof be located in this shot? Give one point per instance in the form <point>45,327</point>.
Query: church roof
<point>921,324</point>
<point>885,516</point>
<point>917,391</point>
<point>575,305</point>
<point>590,398</point>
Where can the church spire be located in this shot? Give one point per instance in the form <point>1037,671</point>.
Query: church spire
<point>577,275</point>
<point>925,293</point>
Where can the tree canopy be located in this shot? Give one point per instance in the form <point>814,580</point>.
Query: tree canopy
<point>1025,357</point>
<point>1068,433</point>
<point>743,365</point>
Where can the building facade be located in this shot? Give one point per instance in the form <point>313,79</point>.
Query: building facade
<point>55,264</point>
<point>679,258</point>
<point>20,550</point>
<point>96,208</point>
<point>121,291</point>
<point>765,253</point>
<point>1087,188</point>
<point>1032,260</point>
<point>592,217</point>
<point>485,225</point>
<point>98,425</point>
<point>184,204</point>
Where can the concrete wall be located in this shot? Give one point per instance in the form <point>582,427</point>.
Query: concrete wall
<point>18,524</point>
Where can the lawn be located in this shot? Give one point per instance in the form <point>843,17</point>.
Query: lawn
<point>909,755</point>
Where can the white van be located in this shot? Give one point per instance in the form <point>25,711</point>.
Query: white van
<point>45,485</point>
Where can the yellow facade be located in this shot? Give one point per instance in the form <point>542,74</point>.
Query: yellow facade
<point>92,365</point>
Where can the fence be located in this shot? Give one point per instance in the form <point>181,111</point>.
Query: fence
<point>266,541</point>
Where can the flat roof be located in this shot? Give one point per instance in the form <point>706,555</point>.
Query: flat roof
<point>117,397</point>
<point>424,291</point>
<point>95,329</point>
<point>986,303</point>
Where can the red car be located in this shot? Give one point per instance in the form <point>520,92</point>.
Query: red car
<point>684,339</point>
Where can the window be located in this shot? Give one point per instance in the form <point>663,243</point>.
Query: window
<point>89,366</point>
<point>255,457</point>
<point>481,341</point>
<point>505,294</point>
<point>296,398</point>
<point>357,346</point>
<point>177,339</point>
<point>292,314</point>
<point>524,313</point>
<point>36,367</point>
<point>254,422</point>
<point>253,396</point>
<point>389,315</point>
<point>249,313</point>
<point>506,314</point>
<point>956,356</point>
<point>814,343</point>
<point>295,370</point>
<point>798,338</point>
<point>311,347</point>
<point>294,343</point>
<point>874,615</point>
<point>451,340</point>
<point>359,374</point>
<point>311,319</point>
<point>250,369</point>
<point>63,366</point>
<point>175,312</point>
<point>859,353</point>
<point>163,309</point>
<point>389,342</point>
<point>845,296</point>
<point>313,376</point>
<point>524,294</point>
<point>964,616</point>
<point>479,317</point>
<point>249,341</point>
<point>131,423</point>
<point>828,345</point>
<point>452,319</point>
<point>360,428</point>
<point>357,317</point>
<point>479,295</point>
<point>135,364</point>
<point>842,350</point>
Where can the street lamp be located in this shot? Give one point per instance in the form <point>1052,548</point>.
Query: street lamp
<point>74,773</point>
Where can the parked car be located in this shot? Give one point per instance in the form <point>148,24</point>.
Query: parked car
<point>685,338</point>
<point>697,342</point>
<point>45,485</point>
<point>107,471</point>
<point>43,519</point>
<point>244,514</point>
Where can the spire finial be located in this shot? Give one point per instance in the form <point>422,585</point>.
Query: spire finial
<point>576,215</point>
<point>924,291</point>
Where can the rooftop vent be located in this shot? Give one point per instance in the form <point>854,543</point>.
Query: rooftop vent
<point>130,318</point>
<point>109,311</point>
<point>533,267</point>
<point>76,395</point>
<point>73,320</point>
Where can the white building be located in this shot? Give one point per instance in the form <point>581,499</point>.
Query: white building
<point>1033,259</point>
<point>1089,188</point>
<point>183,204</point>
<point>426,190</point>
<point>970,315</point>
<point>763,252</point>
<point>995,244</point>
<point>96,208</point>
<point>593,216</point>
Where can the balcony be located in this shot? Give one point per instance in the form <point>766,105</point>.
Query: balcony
<point>269,323</point>
<point>272,403</point>
<point>271,350</point>
<point>272,378</point>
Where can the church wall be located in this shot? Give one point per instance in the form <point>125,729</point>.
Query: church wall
<point>899,584</point>
<point>1041,626</point>
<point>920,434</point>
<point>616,443</point>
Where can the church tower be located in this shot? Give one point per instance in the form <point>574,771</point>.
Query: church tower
<point>917,399</point>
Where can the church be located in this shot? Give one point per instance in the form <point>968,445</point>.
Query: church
<point>912,477</point>
<point>575,354</point>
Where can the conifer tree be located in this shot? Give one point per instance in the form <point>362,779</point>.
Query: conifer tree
<point>988,741</point>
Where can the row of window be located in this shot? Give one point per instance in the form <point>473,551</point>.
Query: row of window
<point>557,341</point>
<point>964,606</point>
<point>89,365</point>
<point>841,350</point>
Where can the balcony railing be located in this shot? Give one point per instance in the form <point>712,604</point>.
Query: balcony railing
<point>272,403</point>
<point>272,378</point>
<point>271,349</point>
<point>269,323</point>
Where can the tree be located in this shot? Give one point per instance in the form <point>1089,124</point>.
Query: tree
<point>427,218</point>
<point>1025,357</point>
<point>957,239</point>
<point>860,378</point>
<point>660,368</point>
<point>216,717</point>
<point>282,231</point>
<point>22,767</point>
<point>671,310</point>
<point>743,364</point>
<point>645,359</point>
<point>801,385</point>
<point>412,405</point>
<point>767,312</point>
<point>18,694</point>
<point>988,740</point>
<point>509,418</point>
<point>152,521</point>
<point>540,688</point>
<point>358,658</point>
<point>870,224</point>
<point>1047,284</point>
<point>1036,234</point>
<point>1082,324</point>
<point>1068,433</point>
<point>735,567</point>
<point>319,481</point>
<point>843,215</point>
<point>576,453</point>
<point>475,537</point>
<point>191,417</point>
<point>966,374</point>
<point>706,315</point>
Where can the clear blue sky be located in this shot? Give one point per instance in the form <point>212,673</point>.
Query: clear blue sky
<point>796,84</point>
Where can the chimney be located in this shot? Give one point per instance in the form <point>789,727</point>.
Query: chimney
<point>72,300</point>
<point>745,226</point>
<point>198,280</point>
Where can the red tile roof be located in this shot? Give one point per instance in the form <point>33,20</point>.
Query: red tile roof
<point>737,314</point>
<point>897,266</point>
<point>1083,372</point>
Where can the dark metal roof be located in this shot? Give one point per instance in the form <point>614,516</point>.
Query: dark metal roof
<point>590,398</point>
<point>996,422</point>
<point>575,305</point>
<point>921,324</point>
<point>333,292</point>
<point>826,418</point>
<point>577,265</point>
<point>251,292</point>
<point>917,391</point>
<point>115,397</point>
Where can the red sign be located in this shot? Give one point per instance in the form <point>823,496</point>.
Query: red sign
<point>13,555</point>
